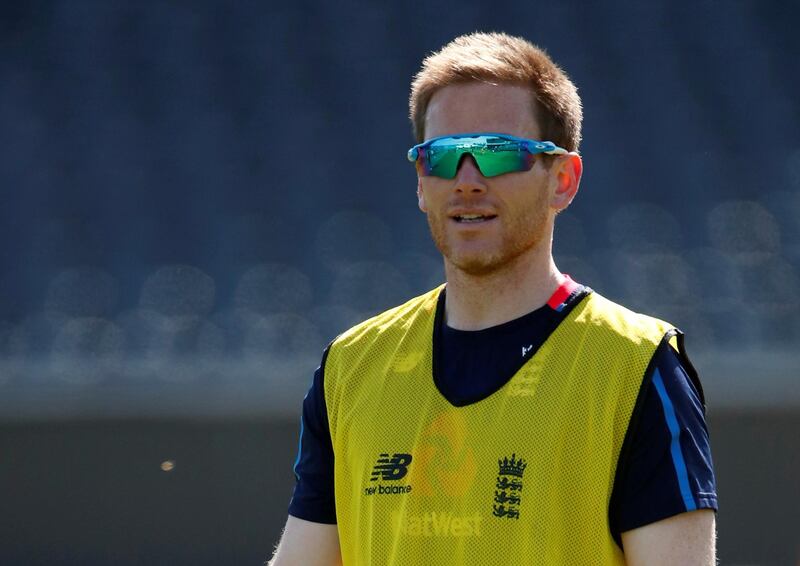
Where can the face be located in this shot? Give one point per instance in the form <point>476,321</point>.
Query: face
<point>514,209</point>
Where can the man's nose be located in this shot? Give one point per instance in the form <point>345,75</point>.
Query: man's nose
<point>468,176</point>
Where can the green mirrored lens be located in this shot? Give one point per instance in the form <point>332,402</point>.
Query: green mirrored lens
<point>494,161</point>
<point>494,157</point>
<point>444,160</point>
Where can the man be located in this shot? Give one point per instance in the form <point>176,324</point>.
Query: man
<point>512,416</point>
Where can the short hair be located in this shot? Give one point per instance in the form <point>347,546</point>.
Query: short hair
<point>501,58</point>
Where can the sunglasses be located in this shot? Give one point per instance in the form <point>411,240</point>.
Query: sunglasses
<point>495,154</point>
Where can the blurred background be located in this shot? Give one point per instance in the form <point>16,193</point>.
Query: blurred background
<point>196,197</point>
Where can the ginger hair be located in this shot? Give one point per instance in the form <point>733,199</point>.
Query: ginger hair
<point>500,58</point>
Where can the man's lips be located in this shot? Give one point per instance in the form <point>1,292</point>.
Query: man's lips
<point>471,217</point>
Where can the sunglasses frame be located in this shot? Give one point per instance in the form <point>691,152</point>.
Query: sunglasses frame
<point>532,147</point>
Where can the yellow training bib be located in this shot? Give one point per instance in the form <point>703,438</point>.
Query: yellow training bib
<point>522,477</point>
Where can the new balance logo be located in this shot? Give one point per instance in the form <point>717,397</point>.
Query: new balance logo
<point>393,467</point>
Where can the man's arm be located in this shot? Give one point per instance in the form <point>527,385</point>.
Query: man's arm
<point>307,544</point>
<point>314,539</point>
<point>688,539</point>
<point>665,491</point>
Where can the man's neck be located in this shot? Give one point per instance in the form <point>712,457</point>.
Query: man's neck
<point>475,302</point>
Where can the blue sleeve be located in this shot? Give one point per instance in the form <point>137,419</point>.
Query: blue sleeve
<point>313,497</point>
<point>665,467</point>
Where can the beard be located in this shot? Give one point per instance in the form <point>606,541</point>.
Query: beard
<point>518,234</point>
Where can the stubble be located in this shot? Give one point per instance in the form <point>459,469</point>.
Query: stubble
<point>520,235</point>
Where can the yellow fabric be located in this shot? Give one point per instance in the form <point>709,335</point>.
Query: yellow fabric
<point>419,481</point>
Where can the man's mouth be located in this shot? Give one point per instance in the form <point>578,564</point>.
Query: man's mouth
<point>473,218</point>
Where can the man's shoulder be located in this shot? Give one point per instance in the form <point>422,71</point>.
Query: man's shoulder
<point>396,318</point>
<point>598,311</point>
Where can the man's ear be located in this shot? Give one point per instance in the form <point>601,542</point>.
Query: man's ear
<point>567,171</point>
<point>421,197</point>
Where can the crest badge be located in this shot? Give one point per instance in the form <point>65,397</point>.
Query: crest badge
<point>508,489</point>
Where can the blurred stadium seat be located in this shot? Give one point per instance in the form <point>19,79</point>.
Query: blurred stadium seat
<point>198,190</point>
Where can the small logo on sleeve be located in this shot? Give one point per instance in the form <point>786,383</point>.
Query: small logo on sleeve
<point>508,489</point>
